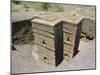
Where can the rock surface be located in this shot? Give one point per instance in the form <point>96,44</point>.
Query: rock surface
<point>22,63</point>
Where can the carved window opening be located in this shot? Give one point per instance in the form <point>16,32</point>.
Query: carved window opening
<point>66,54</point>
<point>68,39</point>
<point>45,58</point>
<point>43,42</point>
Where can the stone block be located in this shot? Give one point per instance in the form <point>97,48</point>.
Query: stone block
<point>48,33</point>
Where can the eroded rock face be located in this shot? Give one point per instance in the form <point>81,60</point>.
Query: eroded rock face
<point>88,28</point>
<point>24,36</point>
<point>22,32</point>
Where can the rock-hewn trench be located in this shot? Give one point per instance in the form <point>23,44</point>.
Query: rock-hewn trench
<point>22,31</point>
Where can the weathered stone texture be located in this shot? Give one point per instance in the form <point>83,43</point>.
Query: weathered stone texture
<point>89,27</point>
<point>57,38</point>
<point>71,33</point>
<point>48,36</point>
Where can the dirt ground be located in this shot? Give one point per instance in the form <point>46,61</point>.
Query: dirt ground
<point>22,63</point>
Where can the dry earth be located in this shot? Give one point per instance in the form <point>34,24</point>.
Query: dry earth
<point>22,63</point>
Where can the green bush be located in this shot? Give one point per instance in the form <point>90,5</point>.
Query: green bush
<point>60,8</point>
<point>45,6</point>
<point>37,6</point>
